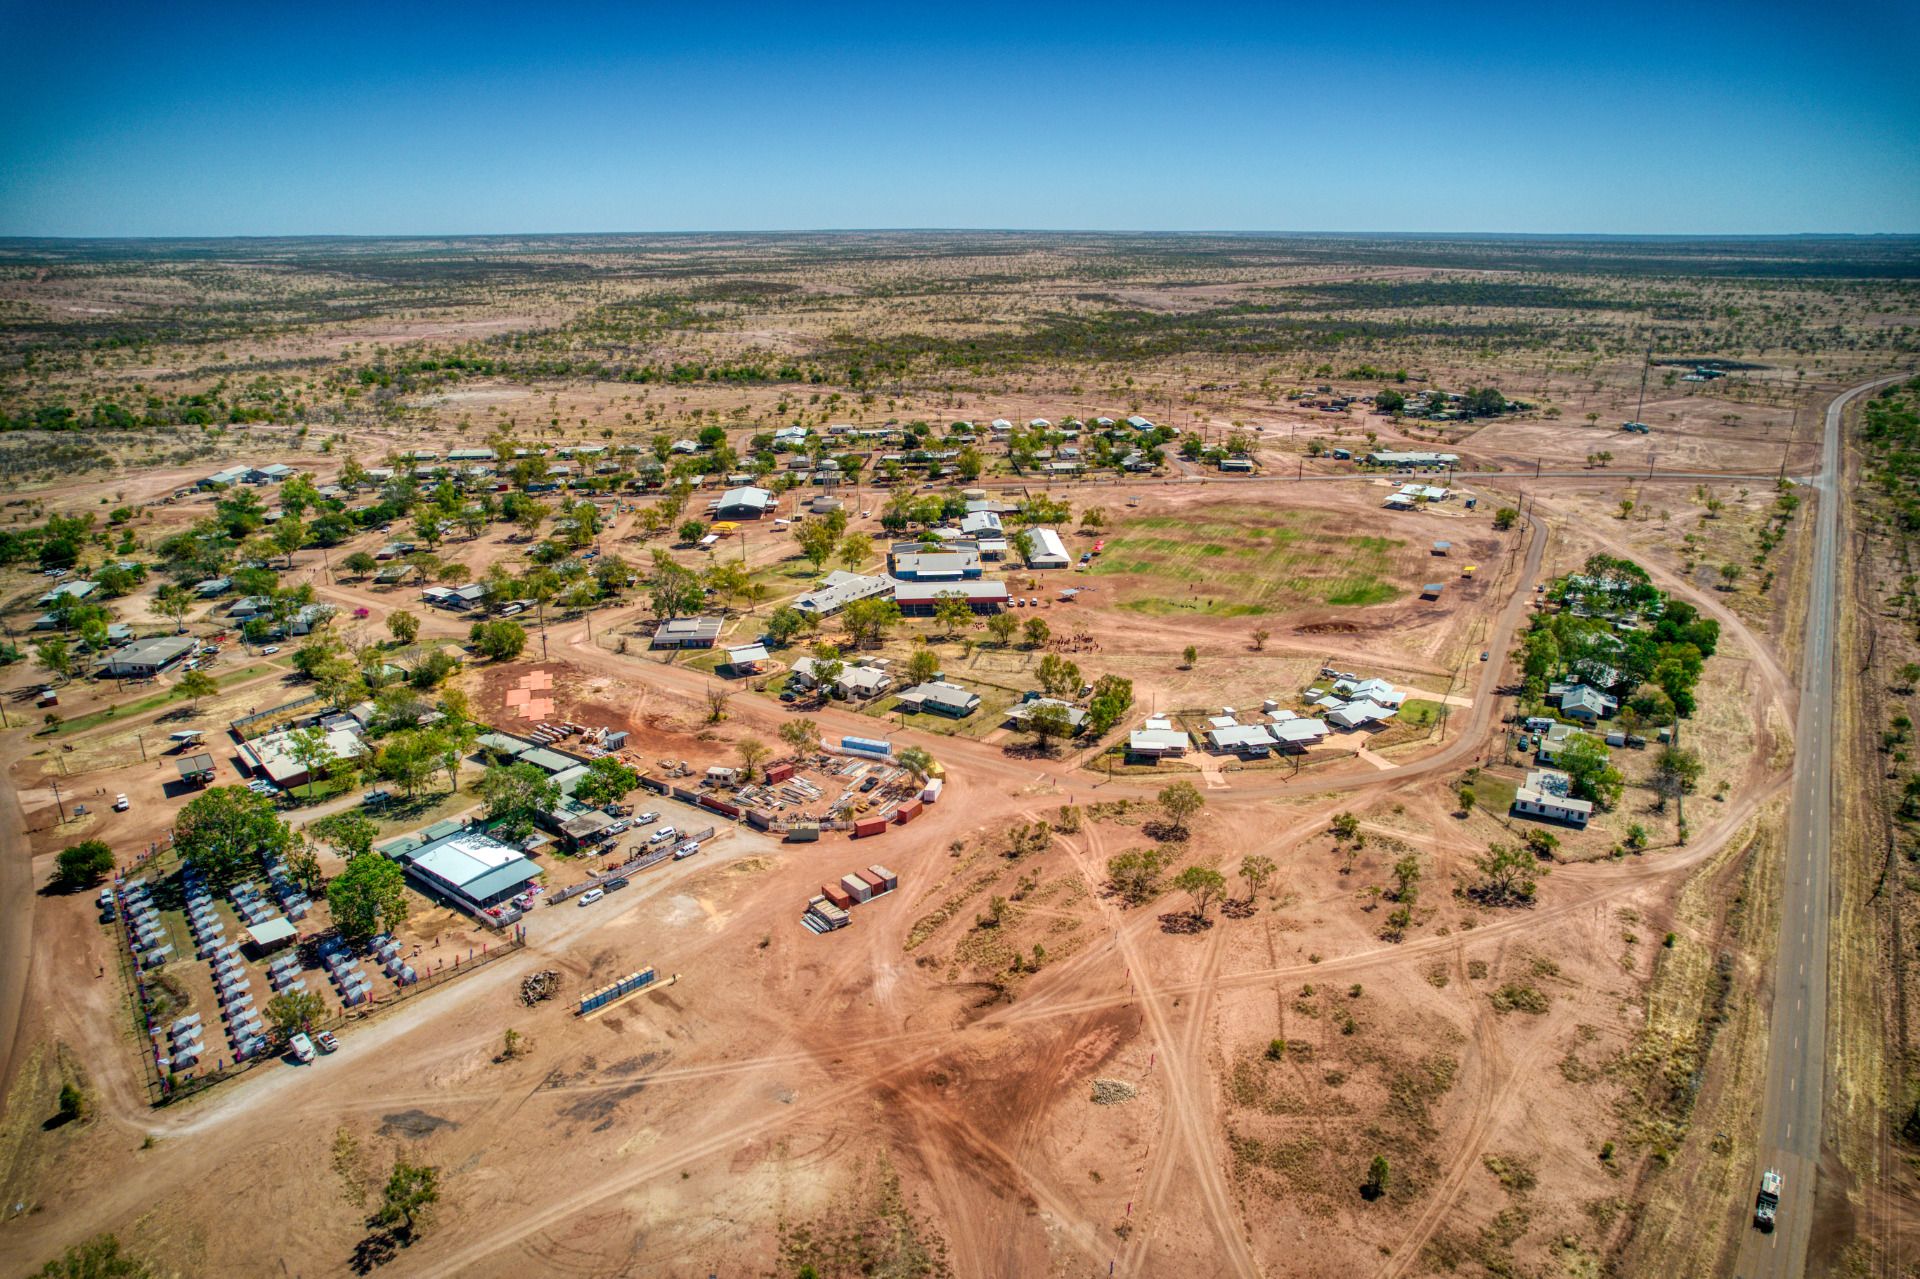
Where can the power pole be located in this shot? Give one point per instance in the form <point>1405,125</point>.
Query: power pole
<point>1645,368</point>
<point>57,802</point>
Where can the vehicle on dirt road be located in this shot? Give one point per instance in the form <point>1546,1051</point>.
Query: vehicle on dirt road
<point>591,896</point>
<point>646,819</point>
<point>326,1041</point>
<point>120,804</point>
<point>662,835</point>
<point>302,1048</point>
<point>1767,1203</point>
<point>685,850</point>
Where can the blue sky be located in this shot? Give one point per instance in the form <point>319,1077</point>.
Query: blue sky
<point>202,119</point>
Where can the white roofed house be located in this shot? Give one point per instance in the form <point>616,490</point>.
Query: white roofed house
<point>839,589</point>
<point>1359,714</point>
<point>744,504</point>
<point>1297,733</point>
<point>1241,739</point>
<point>1048,551</point>
<point>941,698</point>
<point>1549,794</point>
<point>1158,737</point>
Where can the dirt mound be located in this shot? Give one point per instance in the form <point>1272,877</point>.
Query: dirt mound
<point>1113,1092</point>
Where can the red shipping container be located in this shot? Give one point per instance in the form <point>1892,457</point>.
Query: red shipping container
<point>837,895</point>
<point>907,811</point>
<point>779,773</point>
<point>869,826</point>
<point>872,880</point>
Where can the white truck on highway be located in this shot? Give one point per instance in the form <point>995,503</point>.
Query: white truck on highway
<point>1768,1201</point>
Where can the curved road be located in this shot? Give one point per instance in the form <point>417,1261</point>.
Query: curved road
<point>1790,1117</point>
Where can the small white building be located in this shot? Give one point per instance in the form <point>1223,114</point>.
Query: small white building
<point>1549,795</point>
<point>1048,550</point>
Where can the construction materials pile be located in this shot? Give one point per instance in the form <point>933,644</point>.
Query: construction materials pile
<point>544,984</point>
<point>1111,1092</point>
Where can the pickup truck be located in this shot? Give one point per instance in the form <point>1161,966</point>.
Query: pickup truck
<point>1767,1204</point>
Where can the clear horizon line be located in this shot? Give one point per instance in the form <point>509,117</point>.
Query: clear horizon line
<point>16,238</point>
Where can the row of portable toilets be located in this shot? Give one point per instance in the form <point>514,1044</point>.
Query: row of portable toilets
<point>607,994</point>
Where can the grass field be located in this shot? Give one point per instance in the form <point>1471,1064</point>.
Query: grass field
<point>1246,560</point>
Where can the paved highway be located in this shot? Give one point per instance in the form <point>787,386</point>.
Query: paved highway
<point>1790,1114</point>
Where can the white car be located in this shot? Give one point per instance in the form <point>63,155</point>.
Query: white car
<point>646,819</point>
<point>685,850</point>
<point>120,804</point>
<point>269,650</point>
<point>662,835</point>
<point>591,896</point>
<point>302,1048</point>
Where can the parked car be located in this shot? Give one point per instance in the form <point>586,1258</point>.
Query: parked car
<point>1483,654</point>
<point>869,784</point>
<point>120,804</point>
<point>591,896</point>
<point>662,835</point>
<point>302,1048</point>
<point>685,850</point>
<point>617,883</point>
<point>646,819</point>
<point>269,650</point>
<point>326,1041</point>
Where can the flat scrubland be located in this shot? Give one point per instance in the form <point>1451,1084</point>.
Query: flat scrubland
<point>1061,1045</point>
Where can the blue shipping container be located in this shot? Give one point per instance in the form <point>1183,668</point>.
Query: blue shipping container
<point>866,745</point>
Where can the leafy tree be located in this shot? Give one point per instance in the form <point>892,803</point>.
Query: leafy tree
<point>1505,518</point>
<point>1585,762</point>
<point>1256,870</point>
<point>83,864</point>
<point>407,759</point>
<point>922,665</point>
<point>1135,874</point>
<point>350,830</point>
<point>514,794</point>
<point>1389,401</point>
<point>360,563</point>
<point>673,589</point>
<point>607,781</point>
<point>1202,884</point>
<point>802,736</point>
<point>1507,876</point>
<point>867,621</point>
<point>1180,802</point>
<point>1112,699</point>
<point>753,752</point>
<point>784,623</point>
<point>952,613</point>
<point>223,832</point>
<point>55,657</point>
<point>174,602</point>
<point>309,747</point>
<point>1676,772</point>
<point>1058,675</point>
<point>1378,1176</point>
<point>288,1013</point>
<point>855,550</point>
<point>917,761</point>
<point>1188,656</point>
<point>499,641</point>
<point>197,684</point>
<point>1037,632</point>
<point>1406,879</point>
<point>403,626</point>
<point>1002,626</point>
<point>817,540</point>
<point>1048,722</point>
<point>98,1258</point>
<point>411,1192</point>
<point>1345,826</point>
<point>368,897</point>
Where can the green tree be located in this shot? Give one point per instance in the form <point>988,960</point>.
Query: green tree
<point>785,623</point>
<point>98,1258</point>
<point>1002,626</point>
<point>1135,874</point>
<point>403,626</point>
<point>855,550</point>
<point>411,1192</point>
<point>1505,518</point>
<point>195,685</point>
<point>917,761</point>
<point>1037,632</point>
<point>817,540</point>
<point>1676,772</point>
<point>1188,656</point>
<point>368,897</point>
<point>351,831</point>
<point>1047,722</point>
<point>499,641</point>
<point>55,657</point>
<point>1585,761</point>
<point>174,602</point>
<point>1180,802</point>
<point>514,795</point>
<point>1256,870</point>
<point>311,750</point>
<point>951,612</point>
<point>291,1011</point>
<point>225,831</point>
<point>1059,676</point>
<point>1202,884</point>
<point>607,781</point>
<point>360,563</point>
<point>753,752</point>
<point>1112,699</point>
<point>802,736</point>
<point>82,865</point>
<point>1378,1176</point>
<point>1508,876</point>
<point>922,665</point>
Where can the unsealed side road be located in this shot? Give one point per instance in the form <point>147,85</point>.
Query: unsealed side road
<point>1790,1118</point>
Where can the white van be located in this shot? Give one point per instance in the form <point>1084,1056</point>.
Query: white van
<point>591,896</point>
<point>302,1048</point>
<point>662,835</point>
